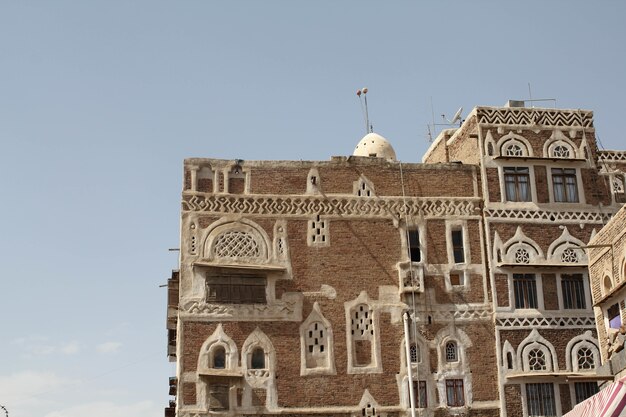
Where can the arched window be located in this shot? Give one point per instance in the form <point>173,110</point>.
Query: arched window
<point>513,150</point>
<point>414,352</point>
<point>509,360</point>
<point>219,358</point>
<point>452,353</point>
<point>607,284</point>
<point>561,151</point>
<point>257,360</point>
<point>537,360</point>
<point>585,358</point>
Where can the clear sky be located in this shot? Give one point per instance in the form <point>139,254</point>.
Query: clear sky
<point>100,101</point>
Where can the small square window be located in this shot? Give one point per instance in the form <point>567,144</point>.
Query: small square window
<point>456,279</point>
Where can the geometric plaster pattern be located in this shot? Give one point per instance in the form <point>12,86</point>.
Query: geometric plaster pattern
<point>290,310</point>
<point>553,216</point>
<point>456,316</point>
<point>394,207</point>
<point>547,322</point>
<point>534,117</point>
<point>605,156</point>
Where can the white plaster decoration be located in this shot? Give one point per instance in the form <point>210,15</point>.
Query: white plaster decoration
<point>455,316</point>
<point>549,215</point>
<point>611,156</point>
<point>313,182</point>
<point>411,277</point>
<point>532,117</point>
<point>368,406</point>
<point>193,238</point>
<point>521,249</point>
<point>288,308</point>
<point>582,353</point>
<point>317,232</point>
<point>316,345</point>
<point>335,206</point>
<point>281,245</point>
<point>559,146</point>
<point>241,241</point>
<point>326,291</point>
<point>363,187</point>
<point>362,329</point>
<point>567,249</point>
<point>617,183</point>
<point>514,145</point>
<point>546,322</point>
<point>205,173</point>
<point>218,339</point>
<point>509,358</point>
<point>535,353</point>
<point>236,171</point>
<point>259,376</point>
<point>490,144</point>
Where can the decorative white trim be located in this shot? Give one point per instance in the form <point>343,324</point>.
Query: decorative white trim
<point>535,341</point>
<point>363,187</point>
<point>507,348</point>
<point>259,378</point>
<point>578,217</point>
<point>313,182</point>
<point>336,206</point>
<point>510,250</point>
<point>561,322</point>
<point>375,365</point>
<point>534,117</point>
<point>564,242</point>
<point>327,364</point>
<point>513,140</point>
<point>243,226</point>
<point>559,139</point>
<point>571,351</point>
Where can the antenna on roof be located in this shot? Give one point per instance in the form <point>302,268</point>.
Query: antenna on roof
<point>368,126</point>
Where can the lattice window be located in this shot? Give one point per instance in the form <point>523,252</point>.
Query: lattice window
<point>414,353</point>
<point>561,151</point>
<point>522,256</point>
<point>537,360</point>
<point>618,185</point>
<point>318,231</point>
<point>236,244</point>
<point>569,255</point>
<point>316,343</point>
<point>362,323</point>
<point>452,353</point>
<point>514,150</point>
<point>585,358</point>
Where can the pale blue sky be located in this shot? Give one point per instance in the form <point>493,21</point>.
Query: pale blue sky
<point>100,101</point>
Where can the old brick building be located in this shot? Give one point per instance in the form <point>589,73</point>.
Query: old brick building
<point>295,277</point>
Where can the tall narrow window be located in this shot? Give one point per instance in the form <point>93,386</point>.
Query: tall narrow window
<point>258,359</point>
<point>414,352</point>
<point>525,290</point>
<point>419,394</point>
<point>414,246</point>
<point>615,321</point>
<point>219,358</point>
<point>573,291</point>
<point>565,185</point>
<point>362,329</point>
<point>540,400</point>
<point>457,246</point>
<point>454,392</point>
<point>517,183</point>
<point>585,390</point>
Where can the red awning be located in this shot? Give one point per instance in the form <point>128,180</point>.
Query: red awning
<point>607,403</point>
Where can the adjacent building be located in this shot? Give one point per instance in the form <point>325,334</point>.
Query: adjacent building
<point>362,285</point>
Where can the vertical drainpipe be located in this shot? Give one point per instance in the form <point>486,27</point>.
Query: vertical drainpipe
<point>409,369</point>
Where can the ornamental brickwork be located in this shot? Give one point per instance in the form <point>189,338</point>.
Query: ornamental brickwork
<point>296,277</point>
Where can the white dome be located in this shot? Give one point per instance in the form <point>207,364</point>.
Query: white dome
<point>375,146</point>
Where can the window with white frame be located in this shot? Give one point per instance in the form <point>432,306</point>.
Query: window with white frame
<point>362,332</point>
<point>525,291</point>
<point>218,357</point>
<point>452,352</point>
<point>458,248</point>
<point>414,353</point>
<point>455,395</point>
<point>564,185</point>
<point>540,401</point>
<point>517,183</point>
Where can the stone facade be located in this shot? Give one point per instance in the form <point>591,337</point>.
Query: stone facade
<point>301,282</point>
